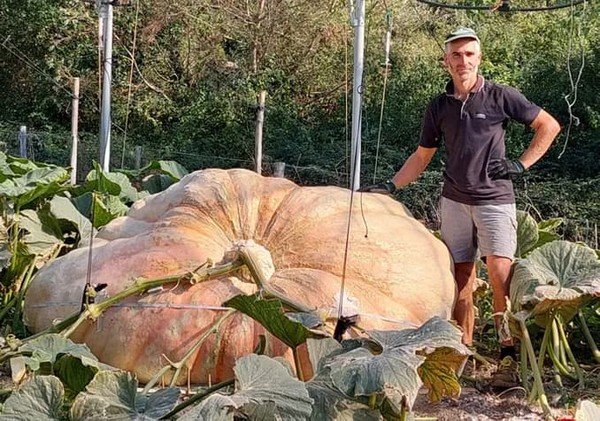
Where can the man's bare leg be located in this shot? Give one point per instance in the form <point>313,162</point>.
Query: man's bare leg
<point>464,313</point>
<point>499,274</point>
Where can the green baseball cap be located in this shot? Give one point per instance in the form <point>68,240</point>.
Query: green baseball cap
<point>461,32</point>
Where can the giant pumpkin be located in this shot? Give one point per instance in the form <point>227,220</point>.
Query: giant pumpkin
<point>396,275</point>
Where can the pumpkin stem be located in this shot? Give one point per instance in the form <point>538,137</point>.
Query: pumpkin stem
<point>537,377</point>
<point>140,286</point>
<point>177,366</point>
<point>567,348</point>
<point>588,336</point>
<point>298,364</point>
<point>260,264</point>
<point>197,397</point>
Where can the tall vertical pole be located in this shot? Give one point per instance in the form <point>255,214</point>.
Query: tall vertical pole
<point>106,11</point>
<point>358,21</point>
<point>74,130</point>
<point>258,135</point>
<point>23,141</point>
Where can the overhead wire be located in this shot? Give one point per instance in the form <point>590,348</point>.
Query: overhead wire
<point>14,50</point>
<point>135,26</point>
<point>571,97</point>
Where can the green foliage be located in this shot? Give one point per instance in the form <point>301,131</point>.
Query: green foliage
<point>269,313</point>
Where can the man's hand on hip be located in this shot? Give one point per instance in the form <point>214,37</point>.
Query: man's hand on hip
<point>503,169</point>
<point>387,187</point>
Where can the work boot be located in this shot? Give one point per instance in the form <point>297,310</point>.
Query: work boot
<point>507,374</point>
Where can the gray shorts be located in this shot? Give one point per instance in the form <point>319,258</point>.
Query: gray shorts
<point>489,229</point>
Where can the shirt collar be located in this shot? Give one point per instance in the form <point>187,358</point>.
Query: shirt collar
<point>477,88</point>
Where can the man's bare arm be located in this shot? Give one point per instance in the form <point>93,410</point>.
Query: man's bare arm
<point>414,166</point>
<point>546,129</point>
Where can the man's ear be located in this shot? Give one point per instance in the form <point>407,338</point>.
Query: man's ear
<point>445,61</point>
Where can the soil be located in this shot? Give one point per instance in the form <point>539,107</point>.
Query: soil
<point>475,405</point>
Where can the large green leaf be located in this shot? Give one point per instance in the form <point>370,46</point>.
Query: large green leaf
<point>156,183</point>
<point>260,381</point>
<point>331,404</point>
<point>64,210</point>
<point>559,276</point>
<point>388,363</point>
<point>114,394</point>
<point>41,398</point>
<point>269,313</point>
<point>113,184</point>
<point>318,349</point>
<point>527,233</point>
<point>106,208</point>
<point>40,182</point>
<point>47,348</point>
<point>40,240</point>
<point>171,168</point>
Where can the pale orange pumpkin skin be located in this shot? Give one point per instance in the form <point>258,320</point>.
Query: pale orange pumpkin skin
<point>400,274</point>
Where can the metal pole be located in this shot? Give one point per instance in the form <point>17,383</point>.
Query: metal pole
<point>260,118</point>
<point>22,136</point>
<point>106,11</point>
<point>74,130</point>
<point>358,21</point>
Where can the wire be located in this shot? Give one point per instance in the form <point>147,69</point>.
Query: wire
<point>386,70</point>
<point>501,6</point>
<point>25,59</point>
<point>137,11</point>
<point>574,85</point>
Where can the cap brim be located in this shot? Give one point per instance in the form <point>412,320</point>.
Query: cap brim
<point>455,37</point>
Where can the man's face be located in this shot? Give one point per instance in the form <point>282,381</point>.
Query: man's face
<point>462,59</point>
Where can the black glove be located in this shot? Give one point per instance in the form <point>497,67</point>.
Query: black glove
<point>505,169</point>
<point>387,187</point>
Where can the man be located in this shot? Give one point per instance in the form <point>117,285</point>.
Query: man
<point>478,204</point>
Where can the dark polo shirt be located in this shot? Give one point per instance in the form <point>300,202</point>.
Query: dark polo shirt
<point>473,134</point>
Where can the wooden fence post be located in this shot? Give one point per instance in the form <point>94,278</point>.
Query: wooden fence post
<point>138,157</point>
<point>279,169</point>
<point>22,136</point>
<point>74,130</point>
<point>260,117</point>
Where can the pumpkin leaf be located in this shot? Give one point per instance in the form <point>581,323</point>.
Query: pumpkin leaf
<point>156,183</point>
<point>392,369</point>
<point>559,276</point>
<point>527,233</point>
<point>37,183</point>
<point>47,348</point>
<point>269,313</point>
<point>64,210</point>
<point>105,209</point>
<point>114,394</point>
<point>545,237</point>
<point>587,411</point>
<point>260,380</point>
<point>41,398</point>
<point>550,225</point>
<point>318,349</point>
<point>331,404</point>
<point>438,373</point>
<point>74,374</point>
<point>171,168</point>
<point>39,240</point>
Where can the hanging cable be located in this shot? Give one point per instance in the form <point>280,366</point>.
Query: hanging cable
<point>571,97</point>
<point>135,25</point>
<point>386,70</point>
